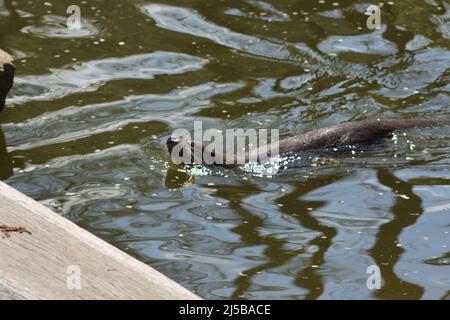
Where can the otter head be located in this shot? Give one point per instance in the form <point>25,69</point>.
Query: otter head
<point>185,151</point>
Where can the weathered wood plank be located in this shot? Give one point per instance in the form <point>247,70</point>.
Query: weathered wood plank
<point>36,265</point>
<point>7,71</point>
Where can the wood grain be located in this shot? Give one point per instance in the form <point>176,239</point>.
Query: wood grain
<point>35,266</point>
<point>5,58</point>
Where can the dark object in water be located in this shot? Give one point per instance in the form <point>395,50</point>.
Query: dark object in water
<point>342,136</point>
<point>7,71</point>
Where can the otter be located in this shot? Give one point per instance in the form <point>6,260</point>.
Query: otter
<point>7,71</point>
<point>343,136</point>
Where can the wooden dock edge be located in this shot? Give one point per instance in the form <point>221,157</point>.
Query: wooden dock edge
<point>60,260</point>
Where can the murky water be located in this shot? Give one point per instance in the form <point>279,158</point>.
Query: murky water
<point>86,124</point>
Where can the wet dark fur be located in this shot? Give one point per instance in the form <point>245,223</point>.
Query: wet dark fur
<point>6,82</point>
<point>342,136</point>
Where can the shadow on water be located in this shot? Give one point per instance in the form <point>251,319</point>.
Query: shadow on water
<point>386,252</point>
<point>6,169</point>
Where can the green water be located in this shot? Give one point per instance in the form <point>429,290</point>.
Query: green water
<point>86,123</point>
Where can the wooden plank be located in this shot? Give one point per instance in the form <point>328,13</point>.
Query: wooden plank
<point>5,58</point>
<point>45,263</point>
<point>7,71</point>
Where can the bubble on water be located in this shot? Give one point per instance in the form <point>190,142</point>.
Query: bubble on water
<point>267,169</point>
<point>53,26</point>
<point>197,170</point>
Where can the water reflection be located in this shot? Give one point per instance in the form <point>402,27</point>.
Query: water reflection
<point>387,249</point>
<point>248,230</point>
<point>309,277</point>
<point>178,179</point>
<point>278,251</point>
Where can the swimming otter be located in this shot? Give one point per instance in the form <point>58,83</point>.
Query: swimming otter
<point>342,136</point>
<point>6,76</point>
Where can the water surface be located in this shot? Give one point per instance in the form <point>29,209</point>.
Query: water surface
<point>85,128</point>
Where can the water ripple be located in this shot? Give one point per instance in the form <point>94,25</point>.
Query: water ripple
<point>89,76</point>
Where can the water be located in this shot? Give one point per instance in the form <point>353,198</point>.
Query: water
<point>86,123</point>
